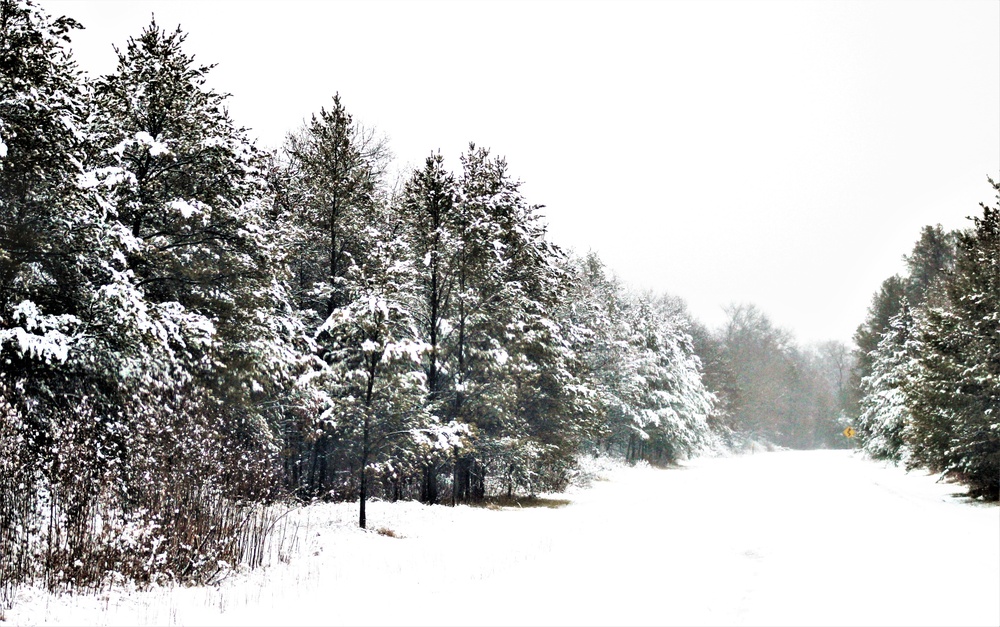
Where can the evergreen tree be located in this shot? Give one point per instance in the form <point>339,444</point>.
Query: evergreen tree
<point>640,384</point>
<point>57,407</point>
<point>330,190</point>
<point>878,402</point>
<point>496,362</point>
<point>429,206</point>
<point>886,304</point>
<point>589,316</point>
<point>187,185</point>
<point>541,364</point>
<point>933,256</point>
<point>47,215</point>
<point>931,259</point>
<point>954,391</point>
<point>374,371</point>
<point>675,403</point>
<point>336,169</point>
<point>884,415</point>
<point>494,237</point>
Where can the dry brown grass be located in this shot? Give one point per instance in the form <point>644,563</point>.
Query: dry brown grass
<point>521,502</point>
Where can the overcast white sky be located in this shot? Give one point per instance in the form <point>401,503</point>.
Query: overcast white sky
<point>780,153</point>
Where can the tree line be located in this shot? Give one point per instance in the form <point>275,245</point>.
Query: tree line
<point>191,327</point>
<point>928,375</point>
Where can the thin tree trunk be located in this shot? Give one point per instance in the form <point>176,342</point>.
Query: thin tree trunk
<point>363,491</point>
<point>312,483</point>
<point>454,477</point>
<point>334,269</point>
<point>432,374</point>
<point>363,496</point>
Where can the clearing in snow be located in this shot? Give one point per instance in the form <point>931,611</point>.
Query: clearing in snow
<point>788,538</point>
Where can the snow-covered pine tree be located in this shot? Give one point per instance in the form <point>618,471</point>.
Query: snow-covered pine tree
<point>489,281</point>
<point>331,190</point>
<point>686,402</point>
<point>187,184</point>
<point>205,329</point>
<point>884,414</point>
<point>954,390</point>
<point>542,362</point>
<point>56,402</point>
<point>503,349</point>
<point>883,352</point>
<point>431,223</point>
<point>480,312</point>
<point>635,400</point>
<point>428,206</point>
<point>663,391</point>
<point>885,305</point>
<point>601,326</point>
<point>587,316</point>
<point>336,170</point>
<point>932,257</point>
<point>378,389</point>
<point>47,216</point>
<point>640,377</point>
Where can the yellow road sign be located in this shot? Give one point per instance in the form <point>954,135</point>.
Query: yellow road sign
<point>849,432</point>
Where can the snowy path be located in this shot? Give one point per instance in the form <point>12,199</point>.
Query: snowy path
<point>796,538</point>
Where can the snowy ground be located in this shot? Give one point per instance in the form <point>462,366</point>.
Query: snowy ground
<point>790,538</point>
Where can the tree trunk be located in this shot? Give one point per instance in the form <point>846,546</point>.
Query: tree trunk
<point>312,483</point>
<point>429,488</point>
<point>363,488</point>
<point>477,482</point>
<point>463,479</point>
<point>363,492</point>
<point>432,374</point>
<point>454,477</point>
<point>334,270</point>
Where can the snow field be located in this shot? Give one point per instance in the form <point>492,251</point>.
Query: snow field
<point>789,538</point>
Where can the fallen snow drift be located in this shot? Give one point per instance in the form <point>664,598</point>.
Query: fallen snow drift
<point>789,538</point>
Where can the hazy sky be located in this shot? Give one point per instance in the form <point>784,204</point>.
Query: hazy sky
<point>780,153</point>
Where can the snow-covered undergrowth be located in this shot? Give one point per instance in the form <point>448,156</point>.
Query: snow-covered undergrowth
<point>803,538</point>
